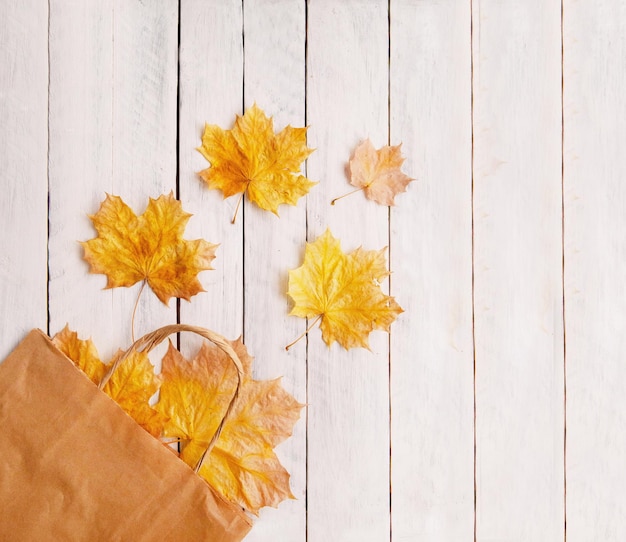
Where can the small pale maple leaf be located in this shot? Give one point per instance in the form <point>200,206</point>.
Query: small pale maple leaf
<point>377,172</point>
<point>130,386</point>
<point>343,291</point>
<point>242,465</point>
<point>251,159</point>
<point>149,247</point>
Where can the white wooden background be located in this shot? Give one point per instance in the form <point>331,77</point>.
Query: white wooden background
<point>496,410</point>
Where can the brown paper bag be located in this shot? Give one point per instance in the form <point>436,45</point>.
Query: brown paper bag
<point>75,466</point>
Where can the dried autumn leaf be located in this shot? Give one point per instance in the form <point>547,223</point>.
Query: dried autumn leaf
<point>82,352</point>
<point>377,172</point>
<point>251,159</point>
<point>148,247</point>
<point>242,465</point>
<point>131,385</point>
<point>343,291</point>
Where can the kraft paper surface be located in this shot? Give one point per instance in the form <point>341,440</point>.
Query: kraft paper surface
<point>74,466</point>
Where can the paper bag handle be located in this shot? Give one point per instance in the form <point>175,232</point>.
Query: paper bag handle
<point>150,340</point>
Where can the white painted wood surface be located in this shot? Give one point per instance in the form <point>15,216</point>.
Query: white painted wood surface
<point>80,165</point>
<point>112,124</point>
<point>432,376</point>
<point>274,78</point>
<point>495,409</point>
<point>348,413</point>
<point>518,294</point>
<point>24,144</point>
<point>211,91</point>
<point>595,232</point>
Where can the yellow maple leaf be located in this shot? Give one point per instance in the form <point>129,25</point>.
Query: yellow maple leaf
<point>342,291</point>
<point>377,172</point>
<point>242,465</point>
<point>82,352</point>
<point>251,159</point>
<point>130,386</point>
<point>149,247</point>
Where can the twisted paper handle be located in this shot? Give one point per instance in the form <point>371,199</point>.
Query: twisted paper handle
<point>150,340</point>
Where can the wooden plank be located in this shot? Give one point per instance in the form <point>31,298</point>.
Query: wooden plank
<point>275,36</point>
<point>348,391</point>
<point>594,82</point>
<point>81,146</point>
<point>23,173</point>
<point>211,91</point>
<point>432,378</point>
<point>518,271</point>
<point>145,79</point>
<point>113,129</point>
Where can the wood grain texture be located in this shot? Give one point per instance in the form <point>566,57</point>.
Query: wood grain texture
<point>211,91</point>
<point>23,169</point>
<point>145,55</point>
<point>518,271</point>
<point>594,83</point>
<point>275,35</point>
<point>432,378</point>
<point>348,391</point>
<point>113,130</point>
<point>81,166</point>
<point>112,96</point>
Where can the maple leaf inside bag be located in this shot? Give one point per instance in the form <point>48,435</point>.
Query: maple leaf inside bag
<point>75,466</point>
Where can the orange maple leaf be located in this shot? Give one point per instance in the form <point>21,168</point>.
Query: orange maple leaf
<point>130,386</point>
<point>377,173</point>
<point>242,465</point>
<point>149,247</point>
<point>342,291</point>
<point>251,159</point>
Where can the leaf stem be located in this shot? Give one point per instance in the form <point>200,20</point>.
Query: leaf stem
<point>132,321</point>
<point>237,208</point>
<point>305,332</point>
<point>348,194</point>
<point>171,440</point>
